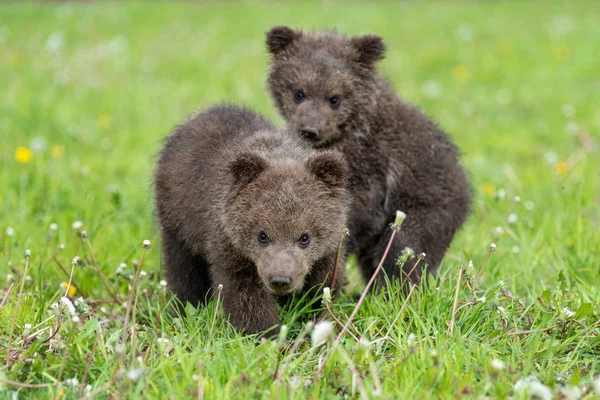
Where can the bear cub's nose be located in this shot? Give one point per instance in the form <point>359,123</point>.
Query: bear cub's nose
<point>309,133</point>
<point>280,282</point>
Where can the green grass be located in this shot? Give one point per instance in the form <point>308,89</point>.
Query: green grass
<point>92,88</point>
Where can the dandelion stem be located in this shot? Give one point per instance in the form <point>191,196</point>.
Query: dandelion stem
<point>452,320</point>
<point>14,319</point>
<point>212,325</point>
<point>97,268</point>
<point>64,270</point>
<point>130,300</point>
<point>483,266</point>
<point>5,298</point>
<point>200,381</point>
<point>369,284</point>
<point>89,361</point>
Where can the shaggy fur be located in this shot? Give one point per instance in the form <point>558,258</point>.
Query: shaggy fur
<point>235,199</point>
<point>327,88</point>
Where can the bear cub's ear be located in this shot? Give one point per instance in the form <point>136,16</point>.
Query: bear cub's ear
<point>280,37</point>
<point>246,168</point>
<point>330,167</point>
<point>370,48</point>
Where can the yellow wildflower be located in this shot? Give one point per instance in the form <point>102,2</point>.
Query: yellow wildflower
<point>560,167</point>
<point>23,155</point>
<point>57,151</point>
<point>71,289</point>
<point>488,189</point>
<point>461,74</point>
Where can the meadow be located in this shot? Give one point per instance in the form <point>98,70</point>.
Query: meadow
<point>90,89</point>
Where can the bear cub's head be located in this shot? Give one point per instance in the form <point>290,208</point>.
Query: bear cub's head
<point>322,82</point>
<point>285,214</point>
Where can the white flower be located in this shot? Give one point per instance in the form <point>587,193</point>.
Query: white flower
<point>498,230</point>
<point>570,393</point>
<point>411,341</point>
<point>146,243</point>
<point>497,366</point>
<point>75,260</point>
<point>163,283</point>
<point>28,277</point>
<point>53,226</point>
<point>143,273</point>
<point>28,253</point>
<point>470,267</point>
<point>326,296</point>
<point>481,299</point>
<point>9,277</point>
<point>501,283</point>
<point>77,225</point>
<point>400,217</point>
<point>321,333</point>
<point>75,318</point>
<point>516,249</point>
<point>512,218</point>
<point>493,247</point>
<point>596,384</point>
<point>26,327</point>
<point>68,305</point>
<point>565,313</point>
<point>135,374</point>
<point>501,194</point>
<point>517,199</point>
<point>533,388</point>
<point>529,205</point>
<point>88,388</point>
<point>10,231</point>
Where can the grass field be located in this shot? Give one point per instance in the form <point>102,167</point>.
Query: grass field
<point>89,90</point>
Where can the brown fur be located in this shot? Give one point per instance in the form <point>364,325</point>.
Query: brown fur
<point>399,159</point>
<point>224,176</point>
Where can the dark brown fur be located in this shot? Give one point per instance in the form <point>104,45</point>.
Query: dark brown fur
<point>399,159</point>
<point>224,176</point>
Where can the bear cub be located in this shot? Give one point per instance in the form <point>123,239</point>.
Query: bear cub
<point>243,205</point>
<point>328,89</point>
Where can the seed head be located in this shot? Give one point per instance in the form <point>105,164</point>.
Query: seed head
<point>77,225</point>
<point>493,247</point>
<point>497,366</point>
<point>146,244</point>
<point>27,253</point>
<point>326,296</point>
<point>10,231</point>
<point>321,333</point>
<point>53,226</point>
<point>400,217</point>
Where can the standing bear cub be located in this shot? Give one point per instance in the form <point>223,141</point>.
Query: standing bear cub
<point>248,207</point>
<point>327,88</point>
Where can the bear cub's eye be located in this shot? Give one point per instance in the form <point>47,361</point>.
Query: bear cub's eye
<point>263,238</point>
<point>335,101</point>
<point>304,240</point>
<point>298,96</point>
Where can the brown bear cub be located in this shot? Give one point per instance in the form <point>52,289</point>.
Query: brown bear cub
<point>248,207</point>
<point>327,88</point>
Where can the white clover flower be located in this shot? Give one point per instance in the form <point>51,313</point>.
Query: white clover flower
<point>68,305</point>
<point>529,205</point>
<point>512,218</point>
<point>321,333</point>
<point>135,374</point>
<point>497,366</point>
<point>533,388</point>
<point>53,226</point>
<point>146,244</point>
<point>493,247</point>
<point>10,231</point>
<point>163,283</point>
<point>326,299</point>
<point>482,299</point>
<point>77,225</point>
<point>565,313</point>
